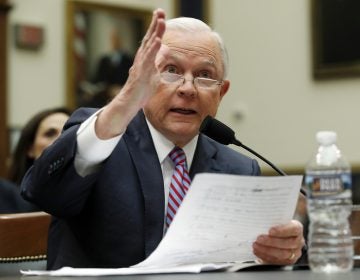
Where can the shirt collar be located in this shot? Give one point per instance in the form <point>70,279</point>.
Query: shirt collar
<point>163,146</point>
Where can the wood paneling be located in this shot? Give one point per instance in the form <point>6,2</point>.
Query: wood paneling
<point>4,139</point>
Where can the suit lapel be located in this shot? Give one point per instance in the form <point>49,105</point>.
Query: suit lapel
<point>142,150</point>
<point>205,158</point>
<point>146,161</point>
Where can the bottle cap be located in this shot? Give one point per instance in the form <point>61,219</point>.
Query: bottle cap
<point>326,137</point>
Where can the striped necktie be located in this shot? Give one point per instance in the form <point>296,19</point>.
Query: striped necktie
<point>180,183</point>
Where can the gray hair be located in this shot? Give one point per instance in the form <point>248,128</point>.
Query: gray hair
<point>194,25</point>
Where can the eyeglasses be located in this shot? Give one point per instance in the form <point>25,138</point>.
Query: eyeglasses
<point>203,83</point>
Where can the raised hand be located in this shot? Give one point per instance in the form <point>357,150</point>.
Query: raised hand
<point>140,86</point>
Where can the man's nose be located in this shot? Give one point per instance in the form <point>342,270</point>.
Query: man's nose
<point>188,86</point>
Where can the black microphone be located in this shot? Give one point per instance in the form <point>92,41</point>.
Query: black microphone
<point>223,134</point>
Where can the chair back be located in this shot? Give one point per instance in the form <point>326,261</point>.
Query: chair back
<point>23,240</point>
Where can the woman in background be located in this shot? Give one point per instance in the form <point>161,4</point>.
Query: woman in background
<point>37,134</point>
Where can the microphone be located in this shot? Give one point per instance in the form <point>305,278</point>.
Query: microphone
<point>223,134</point>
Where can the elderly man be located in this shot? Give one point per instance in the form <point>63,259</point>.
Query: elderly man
<point>116,176</point>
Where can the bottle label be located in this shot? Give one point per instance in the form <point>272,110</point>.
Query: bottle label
<point>328,185</point>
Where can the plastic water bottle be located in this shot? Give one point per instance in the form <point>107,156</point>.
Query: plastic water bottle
<point>328,180</point>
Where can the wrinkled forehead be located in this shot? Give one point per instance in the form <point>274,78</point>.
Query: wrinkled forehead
<point>194,44</point>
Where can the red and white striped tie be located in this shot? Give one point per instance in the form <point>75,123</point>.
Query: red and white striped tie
<point>180,183</point>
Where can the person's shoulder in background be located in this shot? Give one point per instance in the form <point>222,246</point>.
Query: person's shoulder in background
<point>11,200</point>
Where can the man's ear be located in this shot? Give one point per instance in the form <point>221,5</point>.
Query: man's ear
<point>224,88</point>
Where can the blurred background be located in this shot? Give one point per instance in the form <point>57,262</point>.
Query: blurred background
<point>294,66</point>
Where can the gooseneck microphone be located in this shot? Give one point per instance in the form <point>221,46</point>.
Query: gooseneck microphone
<point>223,134</point>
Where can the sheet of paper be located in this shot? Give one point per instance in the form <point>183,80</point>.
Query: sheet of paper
<point>222,215</point>
<point>69,271</point>
<point>215,226</point>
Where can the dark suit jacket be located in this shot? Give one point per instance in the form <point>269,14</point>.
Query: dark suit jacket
<point>115,217</point>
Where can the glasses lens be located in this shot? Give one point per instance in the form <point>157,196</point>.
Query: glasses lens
<point>170,77</point>
<point>206,83</point>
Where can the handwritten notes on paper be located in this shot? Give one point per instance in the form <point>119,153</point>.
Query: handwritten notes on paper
<point>215,226</point>
<point>222,215</point>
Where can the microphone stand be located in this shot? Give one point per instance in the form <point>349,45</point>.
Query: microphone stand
<point>278,170</point>
<point>223,134</point>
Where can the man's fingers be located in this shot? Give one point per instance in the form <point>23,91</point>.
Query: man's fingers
<point>153,44</point>
<point>294,228</point>
<point>283,245</point>
<point>157,14</point>
<point>281,242</point>
<point>276,256</point>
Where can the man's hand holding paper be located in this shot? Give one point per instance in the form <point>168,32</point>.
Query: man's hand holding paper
<point>282,245</point>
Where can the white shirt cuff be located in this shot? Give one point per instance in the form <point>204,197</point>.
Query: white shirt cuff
<point>91,150</point>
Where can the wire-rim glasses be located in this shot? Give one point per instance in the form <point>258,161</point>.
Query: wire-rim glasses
<point>199,82</point>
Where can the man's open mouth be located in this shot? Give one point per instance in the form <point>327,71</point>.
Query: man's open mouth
<point>183,111</point>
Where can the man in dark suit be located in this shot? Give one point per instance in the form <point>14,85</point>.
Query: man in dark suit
<point>113,67</point>
<point>108,177</point>
<point>110,75</point>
